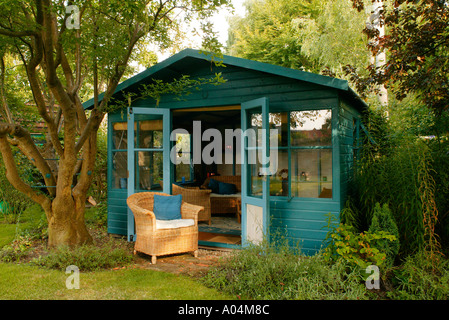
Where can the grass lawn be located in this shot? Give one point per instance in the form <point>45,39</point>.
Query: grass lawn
<point>7,233</point>
<point>25,281</point>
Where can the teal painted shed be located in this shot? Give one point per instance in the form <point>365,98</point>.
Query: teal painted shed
<point>308,157</point>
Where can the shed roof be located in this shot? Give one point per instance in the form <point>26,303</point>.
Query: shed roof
<point>170,67</point>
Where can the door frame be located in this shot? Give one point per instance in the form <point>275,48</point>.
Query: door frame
<point>167,172</point>
<point>263,202</point>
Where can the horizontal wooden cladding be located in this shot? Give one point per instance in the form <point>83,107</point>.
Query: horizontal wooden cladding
<point>117,202</point>
<point>303,222</point>
<point>346,114</point>
<point>237,96</point>
<point>219,108</point>
<point>243,85</point>
<point>300,223</point>
<point>117,231</point>
<point>306,247</point>
<point>117,212</point>
<point>312,204</point>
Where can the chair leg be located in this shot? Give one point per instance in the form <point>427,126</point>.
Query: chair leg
<point>153,259</point>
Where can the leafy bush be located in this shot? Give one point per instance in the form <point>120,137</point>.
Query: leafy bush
<point>269,271</point>
<point>383,221</point>
<point>420,278</point>
<point>97,215</point>
<point>12,202</point>
<point>357,249</point>
<point>85,257</point>
<point>400,170</point>
<point>16,250</point>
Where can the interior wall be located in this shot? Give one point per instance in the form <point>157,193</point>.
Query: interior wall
<point>210,119</point>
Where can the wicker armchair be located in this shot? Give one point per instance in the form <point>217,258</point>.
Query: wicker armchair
<point>156,241</point>
<point>196,196</point>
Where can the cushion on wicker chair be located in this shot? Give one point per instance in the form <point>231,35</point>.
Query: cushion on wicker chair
<point>172,224</point>
<point>167,207</point>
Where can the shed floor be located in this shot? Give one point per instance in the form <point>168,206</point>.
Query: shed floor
<point>223,229</point>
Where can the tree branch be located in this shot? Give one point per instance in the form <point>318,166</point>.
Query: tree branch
<point>4,102</point>
<point>14,178</point>
<point>25,143</point>
<point>17,34</point>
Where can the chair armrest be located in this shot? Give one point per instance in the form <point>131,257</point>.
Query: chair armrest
<point>190,211</point>
<point>143,217</point>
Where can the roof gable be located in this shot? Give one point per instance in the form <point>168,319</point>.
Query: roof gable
<point>191,55</point>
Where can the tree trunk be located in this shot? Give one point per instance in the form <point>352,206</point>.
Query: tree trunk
<point>66,224</point>
<point>380,59</point>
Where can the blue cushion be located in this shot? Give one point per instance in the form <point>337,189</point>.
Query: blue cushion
<point>167,207</point>
<point>213,185</point>
<point>226,188</point>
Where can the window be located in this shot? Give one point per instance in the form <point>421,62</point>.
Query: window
<point>183,166</point>
<point>148,148</point>
<point>304,154</point>
<point>119,155</point>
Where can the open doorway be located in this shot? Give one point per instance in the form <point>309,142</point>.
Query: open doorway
<point>196,132</point>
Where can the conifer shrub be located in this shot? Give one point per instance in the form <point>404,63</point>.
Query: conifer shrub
<point>383,220</point>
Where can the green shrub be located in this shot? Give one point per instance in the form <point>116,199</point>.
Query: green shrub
<point>12,201</point>
<point>383,221</point>
<point>400,171</point>
<point>351,216</point>
<point>85,257</point>
<point>16,250</point>
<point>98,215</point>
<point>420,278</point>
<point>275,272</point>
<point>357,249</point>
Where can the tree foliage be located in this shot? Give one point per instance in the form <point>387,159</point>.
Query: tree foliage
<point>308,35</point>
<point>417,46</point>
<point>67,51</point>
<point>268,33</point>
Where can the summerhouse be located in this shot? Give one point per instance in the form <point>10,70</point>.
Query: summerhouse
<point>287,179</point>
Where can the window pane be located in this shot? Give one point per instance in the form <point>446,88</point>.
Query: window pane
<point>254,168</point>
<point>255,181</point>
<point>255,139</point>
<point>119,170</point>
<point>312,173</point>
<point>183,158</point>
<point>279,121</point>
<point>150,134</point>
<point>311,128</point>
<point>279,181</point>
<point>182,172</point>
<point>149,170</point>
<point>119,135</point>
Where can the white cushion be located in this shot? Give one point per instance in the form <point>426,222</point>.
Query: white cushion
<point>176,223</point>
<point>217,195</point>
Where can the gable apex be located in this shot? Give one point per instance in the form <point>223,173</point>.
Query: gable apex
<point>165,65</point>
